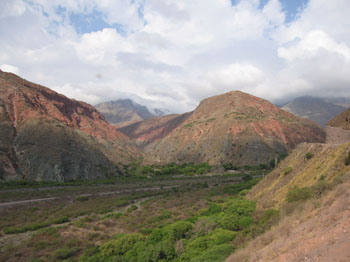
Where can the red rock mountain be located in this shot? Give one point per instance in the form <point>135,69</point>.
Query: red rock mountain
<point>47,136</point>
<point>233,127</point>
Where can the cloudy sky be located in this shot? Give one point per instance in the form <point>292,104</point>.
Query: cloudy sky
<point>173,53</point>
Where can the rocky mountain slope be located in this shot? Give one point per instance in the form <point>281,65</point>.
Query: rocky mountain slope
<point>46,136</point>
<point>154,129</point>
<point>314,220</point>
<point>123,112</point>
<point>342,120</point>
<point>233,127</point>
<point>327,162</point>
<point>318,110</point>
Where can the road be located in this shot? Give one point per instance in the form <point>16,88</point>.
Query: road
<point>12,203</point>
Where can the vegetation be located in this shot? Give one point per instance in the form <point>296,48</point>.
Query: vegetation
<point>347,159</point>
<point>167,227</point>
<point>287,170</point>
<point>309,155</point>
<point>299,194</point>
<point>304,193</point>
<point>279,158</point>
<point>207,236</point>
<point>230,166</point>
<point>136,169</point>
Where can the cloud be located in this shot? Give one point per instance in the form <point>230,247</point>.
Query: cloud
<point>237,76</point>
<point>171,54</point>
<point>9,68</point>
<point>10,8</point>
<point>310,46</point>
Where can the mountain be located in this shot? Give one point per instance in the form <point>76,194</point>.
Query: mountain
<point>340,101</point>
<point>233,127</point>
<point>342,120</point>
<point>153,129</point>
<point>338,129</point>
<point>123,111</point>
<point>47,136</point>
<point>161,112</point>
<point>315,109</point>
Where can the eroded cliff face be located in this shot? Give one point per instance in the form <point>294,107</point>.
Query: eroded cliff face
<point>233,127</point>
<point>47,136</point>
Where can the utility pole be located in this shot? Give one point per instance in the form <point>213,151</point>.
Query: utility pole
<point>276,161</point>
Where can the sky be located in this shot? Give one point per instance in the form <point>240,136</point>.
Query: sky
<point>174,53</point>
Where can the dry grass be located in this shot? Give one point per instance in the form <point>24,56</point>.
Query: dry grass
<point>328,162</point>
<point>302,230</point>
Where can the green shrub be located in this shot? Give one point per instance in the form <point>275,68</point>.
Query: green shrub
<point>32,227</point>
<point>347,159</point>
<point>64,253</point>
<point>121,245</point>
<point>132,208</point>
<point>61,220</point>
<point>287,170</point>
<point>180,229</point>
<point>213,209</point>
<point>82,198</point>
<point>121,202</point>
<point>113,215</point>
<point>216,253</point>
<point>236,188</point>
<point>309,155</point>
<point>298,194</point>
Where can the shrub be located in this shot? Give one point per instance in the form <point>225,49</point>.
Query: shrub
<point>298,194</point>
<point>201,170</point>
<point>121,245</point>
<point>309,155</point>
<point>61,220</point>
<point>180,229</point>
<point>113,215</point>
<point>64,253</point>
<point>82,198</point>
<point>132,208</point>
<point>236,188</point>
<point>347,159</point>
<point>287,170</point>
<point>228,166</point>
<point>203,226</point>
<point>121,202</point>
<point>320,188</point>
<point>217,253</point>
<point>213,209</point>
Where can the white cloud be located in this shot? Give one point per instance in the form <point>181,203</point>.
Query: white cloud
<point>311,44</point>
<point>236,76</point>
<point>9,68</point>
<point>10,8</point>
<point>175,53</point>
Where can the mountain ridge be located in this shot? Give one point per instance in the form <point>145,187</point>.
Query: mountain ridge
<point>317,109</point>
<point>232,127</point>
<point>66,127</point>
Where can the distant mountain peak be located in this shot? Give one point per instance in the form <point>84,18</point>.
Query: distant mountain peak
<point>316,109</point>
<point>125,111</point>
